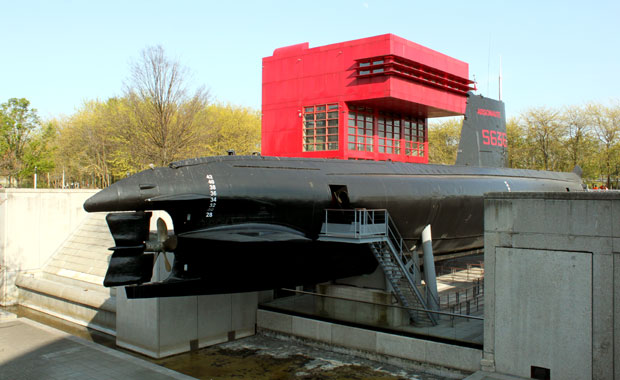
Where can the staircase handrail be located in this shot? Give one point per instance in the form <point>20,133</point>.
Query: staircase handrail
<point>402,244</point>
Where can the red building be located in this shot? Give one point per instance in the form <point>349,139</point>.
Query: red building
<point>361,99</point>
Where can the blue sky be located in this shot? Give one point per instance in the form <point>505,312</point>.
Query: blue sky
<point>59,54</point>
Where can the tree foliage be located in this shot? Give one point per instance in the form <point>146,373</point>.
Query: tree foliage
<point>21,138</point>
<point>543,138</point>
<point>227,127</point>
<point>94,148</point>
<point>443,140</point>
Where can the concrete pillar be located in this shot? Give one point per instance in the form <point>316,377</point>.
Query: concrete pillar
<point>429,269</point>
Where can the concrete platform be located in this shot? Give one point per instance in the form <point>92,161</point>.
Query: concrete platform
<point>29,350</point>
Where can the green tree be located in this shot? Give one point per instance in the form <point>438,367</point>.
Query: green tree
<point>226,127</point>
<point>544,132</point>
<point>88,143</point>
<point>40,151</point>
<point>18,122</point>
<point>443,140</point>
<point>605,121</point>
<point>519,150</point>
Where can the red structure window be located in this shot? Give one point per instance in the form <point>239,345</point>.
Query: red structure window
<point>361,129</point>
<point>395,133</point>
<point>413,136</point>
<point>320,128</point>
<point>389,133</point>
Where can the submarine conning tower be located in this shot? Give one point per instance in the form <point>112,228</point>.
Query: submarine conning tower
<point>366,99</point>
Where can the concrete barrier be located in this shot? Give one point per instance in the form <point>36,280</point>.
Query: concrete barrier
<point>33,225</point>
<point>552,304</point>
<point>434,357</point>
<point>160,327</point>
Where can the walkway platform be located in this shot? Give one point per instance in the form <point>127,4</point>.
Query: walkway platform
<point>32,351</point>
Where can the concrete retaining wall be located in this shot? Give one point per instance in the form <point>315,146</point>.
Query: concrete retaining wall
<point>160,327</point>
<point>33,224</point>
<point>552,267</point>
<point>431,356</point>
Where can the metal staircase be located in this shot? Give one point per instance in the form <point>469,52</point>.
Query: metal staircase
<point>400,265</point>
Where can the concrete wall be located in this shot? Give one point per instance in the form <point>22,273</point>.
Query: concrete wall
<point>552,264</point>
<point>33,224</point>
<point>160,327</point>
<point>439,358</point>
<point>372,313</point>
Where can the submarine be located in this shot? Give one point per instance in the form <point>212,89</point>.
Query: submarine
<point>248,223</point>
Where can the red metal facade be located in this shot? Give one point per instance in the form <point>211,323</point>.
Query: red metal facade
<point>361,99</point>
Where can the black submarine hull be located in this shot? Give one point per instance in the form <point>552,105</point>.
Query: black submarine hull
<point>252,223</point>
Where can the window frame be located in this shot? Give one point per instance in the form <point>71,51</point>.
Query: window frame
<point>322,134</point>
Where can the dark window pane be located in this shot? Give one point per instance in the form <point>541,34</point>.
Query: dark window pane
<point>364,72</point>
<point>333,122</point>
<point>320,131</point>
<point>320,123</point>
<point>309,109</point>
<point>332,146</point>
<point>332,131</point>
<point>377,71</point>
<point>351,123</point>
<point>377,62</point>
<point>320,116</point>
<point>332,115</point>
<point>332,107</point>
<point>320,108</point>
<point>332,138</point>
<point>364,64</point>
<point>352,131</point>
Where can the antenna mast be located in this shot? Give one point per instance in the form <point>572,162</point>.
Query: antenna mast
<point>500,78</point>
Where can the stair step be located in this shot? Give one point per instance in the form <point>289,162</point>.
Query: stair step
<point>79,282</point>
